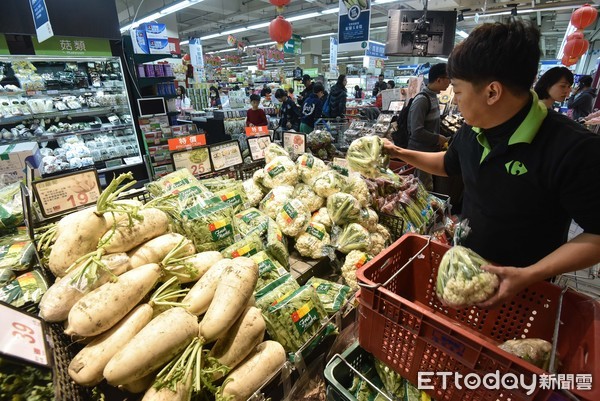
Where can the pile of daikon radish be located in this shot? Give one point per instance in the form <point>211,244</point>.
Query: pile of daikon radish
<point>120,274</point>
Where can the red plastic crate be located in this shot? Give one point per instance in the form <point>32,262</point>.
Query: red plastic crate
<point>406,326</point>
<point>401,168</point>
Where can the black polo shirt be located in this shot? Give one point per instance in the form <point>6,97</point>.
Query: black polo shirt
<point>524,182</point>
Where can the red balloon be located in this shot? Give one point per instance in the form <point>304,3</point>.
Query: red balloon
<point>576,47</point>
<point>280,30</point>
<point>584,16</point>
<point>279,4</point>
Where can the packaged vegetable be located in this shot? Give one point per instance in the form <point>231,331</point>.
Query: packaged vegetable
<point>28,287</point>
<point>273,151</point>
<point>366,156</point>
<point>218,183</point>
<point>275,199</point>
<point>370,220</point>
<point>293,218</point>
<point>253,191</point>
<point>277,243</point>
<point>314,242</point>
<point>235,196</point>
<point>11,206</point>
<point>294,320</point>
<point>392,381</point>
<point>275,291</point>
<point>357,187</point>
<point>332,295</point>
<point>344,208</point>
<point>309,167</point>
<point>211,229</point>
<point>250,220</point>
<point>380,239</point>
<point>247,246</point>
<point>353,237</point>
<point>192,194</point>
<point>310,199</point>
<point>280,171</point>
<point>354,261</point>
<point>269,269</point>
<point>16,255</point>
<point>460,280</point>
<point>328,183</point>
<point>171,181</point>
<point>321,216</point>
<point>534,350</point>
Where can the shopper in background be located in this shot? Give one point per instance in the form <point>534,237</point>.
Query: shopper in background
<point>358,92</point>
<point>215,100</point>
<point>266,94</point>
<point>312,109</point>
<point>424,119</point>
<point>380,85</point>
<point>289,113</point>
<point>391,84</point>
<point>527,170</point>
<point>308,89</point>
<point>182,101</point>
<point>256,117</point>
<point>379,96</point>
<point>582,101</point>
<point>291,96</point>
<point>554,86</point>
<point>337,98</point>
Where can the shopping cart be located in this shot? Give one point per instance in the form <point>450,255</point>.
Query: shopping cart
<point>335,126</point>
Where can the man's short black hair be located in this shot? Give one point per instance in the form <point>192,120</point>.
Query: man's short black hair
<point>318,88</point>
<point>551,77</point>
<point>505,52</point>
<point>380,75</point>
<point>306,77</point>
<point>254,98</point>
<point>437,71</point>
<point>279,93</point>
<point>586,81</point>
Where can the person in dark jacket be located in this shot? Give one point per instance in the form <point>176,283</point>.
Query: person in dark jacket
<point>358,92</point>
<point>582,101</point>
<point>391,84</point>
<point>312,109</point>
<point>380,85</point>
<point>290,113</point>
<point>337,98</point>
<point>308,89</point>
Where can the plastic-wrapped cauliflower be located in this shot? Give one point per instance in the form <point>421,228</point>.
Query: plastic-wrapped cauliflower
<point>258,178</point>
<point>321,216</point>
<point>533,350</point>
<point>305,193</point>
<point>280,171</point>
<point>379,239</point>
<point>366,156</point>
<point>357,187</point>
<point>275,199</point>
<point>460,280</point>
<point>314,241</point>
<point>343,209</point>
<point>293,218</point>
<point>328,183</point>
<point>370,221</point>
<point>309,167</point>
<point>253,192</point>
<point>354,261</point>
<point>354,237</point>
<point>274,151</point>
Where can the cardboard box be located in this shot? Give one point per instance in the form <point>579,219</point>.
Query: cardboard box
<point>13,157</point>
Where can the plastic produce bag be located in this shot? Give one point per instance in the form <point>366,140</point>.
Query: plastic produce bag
<point>275,291</point>
<point>314,242</point>
<point>275,199</point>
<point>354,261</point>
<point>250,221</point>
<point>357,187</point>
<point>254,192</point>
<point>321,216</point>
<point>235,196</point>
<point>353,237</point>
<point>15,255</point>
<point>293,218</point>
<point>277,244</point>
<point>366,156</point>
<point>305,193</point>
<point>280,171</point>
<point>392,381</point>
<point>171,181</point>
<point>247,246</point>
<point>328,183</point>
<point>309,167</point>
<point>273,151</point>
<point>11,206</point>
<point>533,350</point>
<point>269,269</point>
<point>211,229</point>
<point>460,280</point>
<point>344,208</point>
<point>332,295</point>
<point>28,287</point>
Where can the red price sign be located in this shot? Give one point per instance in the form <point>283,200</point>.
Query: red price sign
<point>187,142</point>
<point>256,131</point>
<point>22,336</point>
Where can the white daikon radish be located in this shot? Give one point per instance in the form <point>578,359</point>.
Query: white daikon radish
<point>154,222</point>
<point>155,250</point>
<point>183,392</point>
<point>139,385</point>
<point>201,294</point>
<point>192,268</point>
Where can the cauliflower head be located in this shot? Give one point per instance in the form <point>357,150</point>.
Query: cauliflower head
<point>305,193</point>
<point>274,150</point>
<point>366,155</point>
<point>321,216</point>
<point>354,237</point>
<point>343,208</point>
<point>357,187</point>
<point>328,183</point>
<point>293,218</point>
<point>309,167</point>
<point>379,239</point>
<point>280,171</point>
<point>370,221</point>
<point>313,242</point>
<point>354,261</point>
<point>275,199</point>
<point>461,282</point>
<point>253,192</point>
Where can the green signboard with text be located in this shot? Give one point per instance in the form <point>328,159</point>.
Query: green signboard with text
<point>293,46</point>
<point>70,46</point>
<point>3,45</point>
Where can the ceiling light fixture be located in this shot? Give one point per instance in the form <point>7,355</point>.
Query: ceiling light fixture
<point>461,33</point>
<point>161,13</point>
<point>321,35</point>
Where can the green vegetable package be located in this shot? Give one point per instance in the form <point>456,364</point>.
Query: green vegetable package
<point>332,295</point>
<point>276,291</point>
<point>269,269</point>
<point>211,229</point>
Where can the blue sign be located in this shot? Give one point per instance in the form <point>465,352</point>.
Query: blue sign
<point>354,24</point>
<point>41,20</point>
<point>375,50</point>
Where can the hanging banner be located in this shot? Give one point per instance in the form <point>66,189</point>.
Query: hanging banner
<point>261,61</point>
<point>375,50</point>
<point>354,24</point>
<point>333,53</point>
<point>197,59</point>
<point>43,29</point>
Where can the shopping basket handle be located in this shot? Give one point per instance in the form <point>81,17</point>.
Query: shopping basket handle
<point>338,356</point>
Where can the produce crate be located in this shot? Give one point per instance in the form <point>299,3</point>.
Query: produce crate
<point>401,168</point>
<point>394,224</point>
<point>404,324</point>
<point>247,170</point>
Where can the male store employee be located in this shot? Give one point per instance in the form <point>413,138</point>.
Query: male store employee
<point>527,170</point>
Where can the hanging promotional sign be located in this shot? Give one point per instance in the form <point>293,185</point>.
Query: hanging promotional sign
<point>261,61</point>
<point>333,50</point>
<point>197,58</point>
<point>354,24</point>
<point>41,19</point>
<point>376,50</point>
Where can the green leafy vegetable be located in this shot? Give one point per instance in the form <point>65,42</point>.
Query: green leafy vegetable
<point>277,244</point>
<point>250,220</point>
<point>344,208</point>
<point>11,206</point>
<point>247,246</point>
<point>269,269</point>
<point>211,229</point>
<point>332,295</point>
<point>354,237</point>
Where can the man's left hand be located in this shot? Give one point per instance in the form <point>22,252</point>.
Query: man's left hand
<point>512,281</point>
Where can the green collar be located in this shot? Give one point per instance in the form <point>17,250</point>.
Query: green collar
<point>525,133</point>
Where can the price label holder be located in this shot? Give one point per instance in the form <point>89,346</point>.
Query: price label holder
<point>396,105</point>
<point>23,337</point>
<point>294,142</point>
<point>257,146</point>
<point>197,161</point>
<point>59,195</point>
<point>255,131</point>
<point>226,154</point>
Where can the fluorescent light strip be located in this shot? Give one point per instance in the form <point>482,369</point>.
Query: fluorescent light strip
<point>303,17</point>
<point>461,33</point>
<point>185,42</point>
<point>161,13</point>
<point>175,7</point>
<point>377,2</point>
<point>322,35</point>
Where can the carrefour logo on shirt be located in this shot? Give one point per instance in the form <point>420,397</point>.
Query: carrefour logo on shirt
<point>515,167</point>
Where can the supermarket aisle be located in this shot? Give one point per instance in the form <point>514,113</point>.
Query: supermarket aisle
<point>582,278</point>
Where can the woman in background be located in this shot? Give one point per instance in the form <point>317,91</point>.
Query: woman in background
<point>582,101</point>
<point>182,102</point>
<point>554,86</point>
<point>215,100</point>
